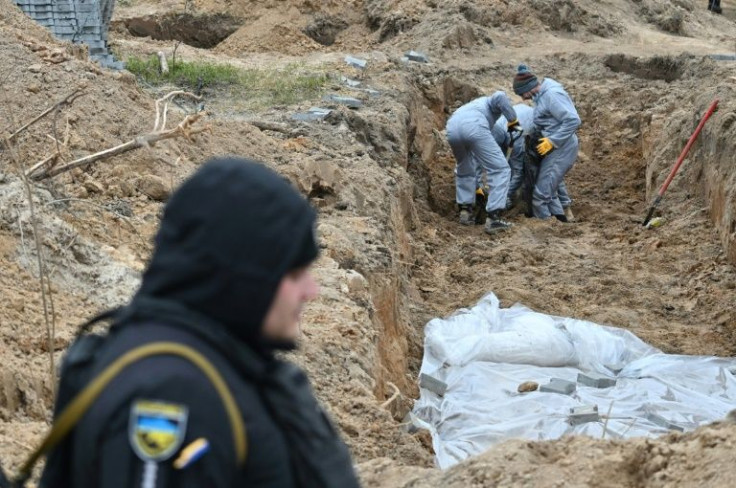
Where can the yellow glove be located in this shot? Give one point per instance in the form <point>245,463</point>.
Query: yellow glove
<point>480,192</point>
<point>545,146</point>
<point>513,126</point>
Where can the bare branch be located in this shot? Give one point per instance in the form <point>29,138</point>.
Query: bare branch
<point>184,129</point>
<point>68,100</point>
<point>173,55</point>
<point>271,126</point>
<point>49,312</point>
<point>158,125</point>
<point>50,161</point>
<point>396,395</point>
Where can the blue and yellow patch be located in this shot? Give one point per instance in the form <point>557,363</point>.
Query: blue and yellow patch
<point>156,429</point>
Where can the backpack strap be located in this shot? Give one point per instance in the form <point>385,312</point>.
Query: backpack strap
<point>71,415</point>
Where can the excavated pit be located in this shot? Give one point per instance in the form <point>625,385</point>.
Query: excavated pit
<point>325,29</point>
<point>657,68</point>
<point>198,30</point>
<point>604,267</point>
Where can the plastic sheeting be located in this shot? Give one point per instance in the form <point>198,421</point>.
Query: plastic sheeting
<point>485,353</point>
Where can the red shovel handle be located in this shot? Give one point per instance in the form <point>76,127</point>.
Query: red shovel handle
<point>689,144</point>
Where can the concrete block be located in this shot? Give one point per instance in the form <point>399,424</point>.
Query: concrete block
<point>66,16</point>
<point>356,62</point>
<point>66,30</point>
<point>557,385</point>
<point>64,8</point>
<point>595,381</point>
<point>583,414</point>
<point>432,384</point>
<point>347,101</point>
<point>657,419</point>
<point>85,8</point>
<point>89,38</point>
<point>417,57</point>
<point>38,8</point>
<point>723,57</point>
<point>314,113</point>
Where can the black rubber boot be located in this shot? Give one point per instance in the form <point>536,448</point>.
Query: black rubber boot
<point>561,218</point>
<point>466,215</point>
<point>494,223</point>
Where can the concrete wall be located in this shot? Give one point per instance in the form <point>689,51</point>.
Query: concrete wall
<point>79,21</point>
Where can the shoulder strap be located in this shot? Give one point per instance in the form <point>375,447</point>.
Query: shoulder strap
<point>84,400</point>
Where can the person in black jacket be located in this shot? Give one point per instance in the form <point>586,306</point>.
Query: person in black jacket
<point>228,278</point>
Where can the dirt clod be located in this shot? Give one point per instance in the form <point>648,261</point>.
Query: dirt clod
<point>528,386</point>
<point>154,187</point>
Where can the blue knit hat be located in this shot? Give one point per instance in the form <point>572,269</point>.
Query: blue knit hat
<point>525,80</point>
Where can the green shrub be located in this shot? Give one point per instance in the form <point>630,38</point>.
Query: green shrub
<point>259,86</point>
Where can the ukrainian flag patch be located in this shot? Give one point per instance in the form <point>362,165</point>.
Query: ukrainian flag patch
<point>156,429</point>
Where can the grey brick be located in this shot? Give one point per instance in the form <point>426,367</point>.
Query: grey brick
<point>432,384</point>
<point>583,414</point>
<point>596,381</point>
<point>89,38</point>
<point>557,385</point>
<point>314,113</point>
<point>417,57</point>
<point>347,101</point>
<point>723,57</point>
<point>356,62</point>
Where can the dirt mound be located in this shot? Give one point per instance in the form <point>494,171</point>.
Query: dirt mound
<point>700,459</point>
<point>15,21</point>
<point>274,31</point>
<point>461,24</point>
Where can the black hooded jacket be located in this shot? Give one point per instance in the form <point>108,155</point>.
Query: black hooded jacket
<point>228,236</point>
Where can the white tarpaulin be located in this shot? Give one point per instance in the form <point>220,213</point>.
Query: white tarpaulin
<point>485,353</point>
